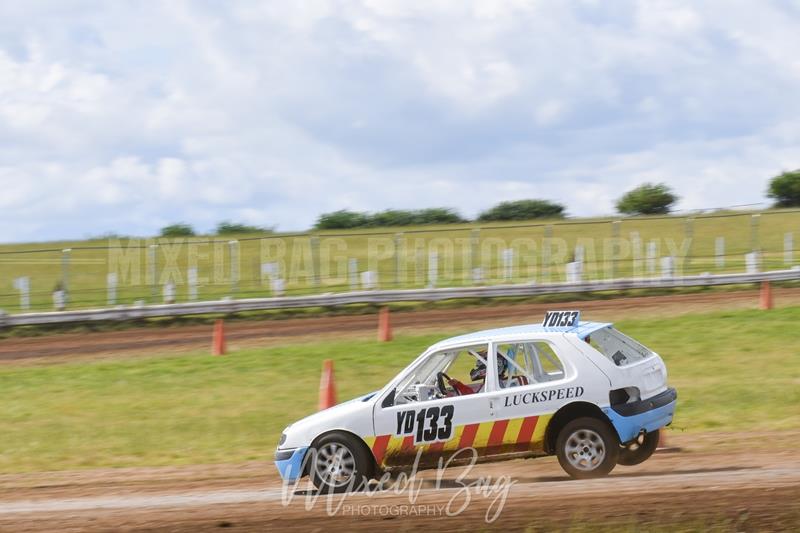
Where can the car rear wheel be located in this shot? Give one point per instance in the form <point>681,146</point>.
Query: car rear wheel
<point>339,464</point>
<point>639,450</point>
<point>587,448</point>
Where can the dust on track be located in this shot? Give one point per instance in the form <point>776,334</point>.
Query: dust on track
<point>747,484</point>
<point>181,339</point>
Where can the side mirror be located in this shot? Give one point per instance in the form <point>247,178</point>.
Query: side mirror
<point>389,400</point>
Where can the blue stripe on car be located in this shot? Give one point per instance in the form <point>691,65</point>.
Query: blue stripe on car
<point>291,469</point>
<point>628,427</point>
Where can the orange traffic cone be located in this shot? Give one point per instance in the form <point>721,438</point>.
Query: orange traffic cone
<point>218,342</point>
<point>327,387</point>
<point>384,325</point>
<point>765,302</point>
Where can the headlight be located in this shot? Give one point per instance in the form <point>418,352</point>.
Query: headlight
<point>282,455</point>
<point>282,440</point>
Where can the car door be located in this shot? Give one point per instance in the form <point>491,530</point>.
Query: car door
<point>538,381</point>
<point>419,423</point>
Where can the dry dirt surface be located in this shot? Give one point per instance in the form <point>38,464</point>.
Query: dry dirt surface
<point>723,481</point>
<point>243,333</point>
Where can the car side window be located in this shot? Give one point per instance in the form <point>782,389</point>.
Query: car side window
<point>529,362</point>
<point>447,373</point>
<point>619,348</point>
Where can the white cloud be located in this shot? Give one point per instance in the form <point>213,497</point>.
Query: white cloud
<point>114,118</point>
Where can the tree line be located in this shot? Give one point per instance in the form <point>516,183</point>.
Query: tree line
<point>518,210</point>
<point>181,229</point>
<point>646,199</point>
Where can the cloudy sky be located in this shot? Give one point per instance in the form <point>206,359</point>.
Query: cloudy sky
<point>125,116</point>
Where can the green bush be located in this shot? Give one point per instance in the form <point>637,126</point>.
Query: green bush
<point>785,189</point>
<point>523,210</point>
<point>439,215</point>
<point>341,220</point>
<point>647,199</point>
<point>390,217</point>
<point>177,230</point>
<point>234,228</point>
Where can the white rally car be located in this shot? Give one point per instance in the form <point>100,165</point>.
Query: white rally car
<point>580,390</point>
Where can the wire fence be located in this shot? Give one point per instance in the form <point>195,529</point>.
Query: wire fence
<point>147,271</point>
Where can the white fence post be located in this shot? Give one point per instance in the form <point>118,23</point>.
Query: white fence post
<point>719,251</point>
<point>234,250</point>
<point>668,267</point>
<point>547,259</point>
<point>611,270</point>
<point>579,253</point>
<point>111,287</point>
<point>153,270</point>
<point>474,256</point>
<point>169,293</point>
<point>433,269</point>
<point>23,285</point>
<point>278,287</point>
<point>59,300</point>
<point>574,272</point>
<point>264,273</point>
<point>65,261</point>
<point>268,272</point>
<point>686,263</point>
<point>788,248</point>
<point>352,271</point>
<point>399,254</point>
<point>636,254</point>
<point>507,256</point>
<point>652,251</point>
<point>753,262</point>
<point>369,280</point>
<point>313,243</point>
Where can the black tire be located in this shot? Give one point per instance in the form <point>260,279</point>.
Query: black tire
<point>350,472</point>
<point>639,450</point>
<point>587,448</point>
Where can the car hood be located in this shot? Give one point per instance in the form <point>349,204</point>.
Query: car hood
<point>354,416</point>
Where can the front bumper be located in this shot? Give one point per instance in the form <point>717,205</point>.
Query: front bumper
<point>291,467</point>
<point>648,415</point>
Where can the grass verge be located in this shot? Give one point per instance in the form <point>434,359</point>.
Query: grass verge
<point>735,371</point>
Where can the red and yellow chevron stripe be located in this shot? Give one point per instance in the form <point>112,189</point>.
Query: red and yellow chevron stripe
<point>488,438</point>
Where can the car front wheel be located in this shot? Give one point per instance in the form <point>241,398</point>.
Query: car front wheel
<point>587,448</point>
<point>339,463</point>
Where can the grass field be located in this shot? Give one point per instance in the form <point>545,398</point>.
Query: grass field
<point>735,371</point>
<point>400,256</point>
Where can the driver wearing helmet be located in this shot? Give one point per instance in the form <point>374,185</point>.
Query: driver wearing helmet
<point>478,374</point>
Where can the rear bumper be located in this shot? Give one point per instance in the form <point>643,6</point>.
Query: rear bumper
<point>291,468</point>
<point>630,419</point>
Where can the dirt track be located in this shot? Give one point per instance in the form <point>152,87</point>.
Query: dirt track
<point>254,333</point>
<point>706,484</point>
<point>735,482</point>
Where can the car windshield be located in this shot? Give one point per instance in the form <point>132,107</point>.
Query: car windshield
<point>619,348</point>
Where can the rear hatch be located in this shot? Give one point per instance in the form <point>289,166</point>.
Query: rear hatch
<point>628,363</point>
